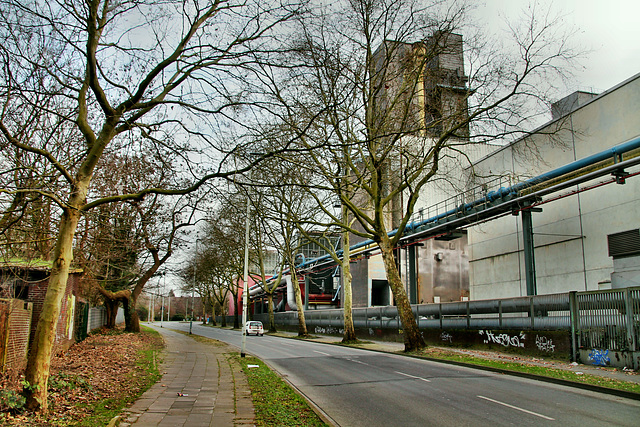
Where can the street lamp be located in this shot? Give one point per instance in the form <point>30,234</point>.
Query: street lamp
<point>245,297</point>
<point>245,290</point>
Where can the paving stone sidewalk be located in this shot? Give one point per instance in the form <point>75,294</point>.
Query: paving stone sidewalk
<point>201,386</point>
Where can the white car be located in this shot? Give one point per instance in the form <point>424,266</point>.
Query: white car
<point>254,327</point>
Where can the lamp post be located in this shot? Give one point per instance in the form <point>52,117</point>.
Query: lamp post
<point>245,286</point>
<point>245,291</point>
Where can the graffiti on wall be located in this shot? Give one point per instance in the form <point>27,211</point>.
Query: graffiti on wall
<point>446,337</point>
<point>328,330</point>
<point>599,357</point>
<point>545,344</point>
<point>505,340</point>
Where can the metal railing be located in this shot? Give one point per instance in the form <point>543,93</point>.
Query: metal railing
<point>541,312</point>
<point>608,319</point>
<point>471,195</point>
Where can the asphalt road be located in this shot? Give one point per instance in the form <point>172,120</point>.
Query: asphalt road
<point>362,388</point>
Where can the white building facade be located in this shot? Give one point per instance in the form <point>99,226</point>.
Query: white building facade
<point>572,233</point>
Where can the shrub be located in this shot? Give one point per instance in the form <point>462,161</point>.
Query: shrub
<point>10,401</point>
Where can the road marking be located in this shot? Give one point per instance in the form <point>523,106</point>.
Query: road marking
<point>516,408</point>
<point>357,361</point>
<point>321,352</point>
<point>413,376</point>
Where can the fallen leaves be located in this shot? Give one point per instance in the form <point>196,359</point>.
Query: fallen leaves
<point>102,368</point>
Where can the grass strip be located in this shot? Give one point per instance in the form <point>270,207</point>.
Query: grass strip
<point>275,402</point>
<point>437,354</point>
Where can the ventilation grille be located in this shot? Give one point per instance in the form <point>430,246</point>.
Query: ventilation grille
<point>624,244</point>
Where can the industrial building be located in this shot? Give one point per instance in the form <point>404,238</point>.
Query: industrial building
<point>585,237</point>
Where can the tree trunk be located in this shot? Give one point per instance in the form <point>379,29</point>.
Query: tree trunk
<point>131,318</point>
<point>38,362</point>
<point>112,311</point>
<point>272,319</point>
<point>412,337</point>
<point>213,311</point>
<point>349,333</point>
<point>236,312</point>
<point>302,324</point>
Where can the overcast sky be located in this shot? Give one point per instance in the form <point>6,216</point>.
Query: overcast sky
<point>610,29</point>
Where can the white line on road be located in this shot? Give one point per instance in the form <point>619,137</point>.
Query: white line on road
<point>321,352</point>
<point>413,376</point>
<point>517,409</point>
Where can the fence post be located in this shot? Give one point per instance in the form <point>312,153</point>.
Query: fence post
<point>573,320</point>
<point>500,314</point>
<point>631,335</point>
<point>440,314</point>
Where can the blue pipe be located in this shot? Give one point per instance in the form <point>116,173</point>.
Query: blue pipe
<point>335,297</point>
<point>502,192</point>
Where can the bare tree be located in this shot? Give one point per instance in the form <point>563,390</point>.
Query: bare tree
<point>391,114</point>
<point>100,76</point>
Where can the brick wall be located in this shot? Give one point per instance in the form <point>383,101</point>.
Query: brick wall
<point>64,329</point>
<point>15,322</point>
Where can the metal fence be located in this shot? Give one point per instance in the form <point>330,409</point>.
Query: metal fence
<point>90,318</point>
<point>608,319</point>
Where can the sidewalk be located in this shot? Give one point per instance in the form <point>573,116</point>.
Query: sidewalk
<point>201,386</point>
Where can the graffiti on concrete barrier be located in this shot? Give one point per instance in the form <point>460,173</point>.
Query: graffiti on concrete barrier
<point>545,344</point>
<point>599,357</point>
<point>505,340</point>
<point>328,330</point>
<point>445,336</point>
